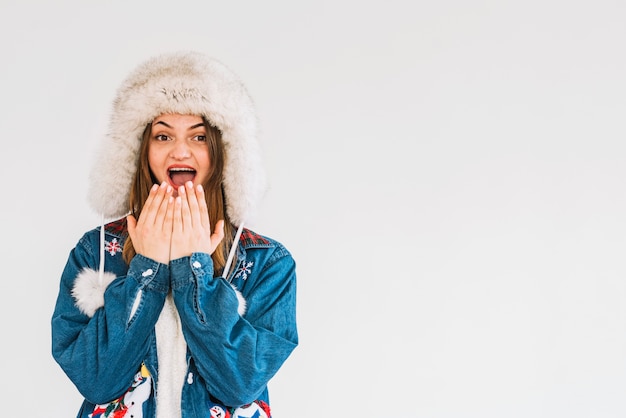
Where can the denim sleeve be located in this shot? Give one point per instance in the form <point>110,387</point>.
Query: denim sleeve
<point>100,354</point>
<point>236,356</point>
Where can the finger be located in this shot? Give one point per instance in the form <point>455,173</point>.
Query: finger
<point>153,202</point>
<point>194,209</point>
<point>218,235</point>
<point>202,207</point>
<point>131,222</point>
<point>185,211</point>
<point>168,221</point>
<point>147,204</point>
<point>177,227</point>
<point>161,213</point>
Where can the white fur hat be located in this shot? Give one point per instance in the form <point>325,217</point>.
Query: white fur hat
<point>186,83</point>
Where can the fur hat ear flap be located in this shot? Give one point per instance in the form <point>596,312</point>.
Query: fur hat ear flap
<point>88,290</point>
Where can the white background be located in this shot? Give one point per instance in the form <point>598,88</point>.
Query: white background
<point>449,176</point>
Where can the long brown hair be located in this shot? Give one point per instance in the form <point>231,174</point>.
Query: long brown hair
<point>214,192</point>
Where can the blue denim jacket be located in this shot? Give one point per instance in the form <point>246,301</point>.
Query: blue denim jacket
<point>230,357</point>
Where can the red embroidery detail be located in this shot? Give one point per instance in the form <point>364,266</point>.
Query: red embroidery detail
<point>112,247</point>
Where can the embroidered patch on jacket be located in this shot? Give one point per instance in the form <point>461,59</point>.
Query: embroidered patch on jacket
<point>244,270</point>
<point>112,247</point>
<point>256,409</point>
<point>130,404</point>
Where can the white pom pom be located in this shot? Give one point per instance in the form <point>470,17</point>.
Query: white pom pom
<point>241,309</point>
<point>89,291</point>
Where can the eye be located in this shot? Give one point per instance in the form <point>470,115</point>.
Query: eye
<point>161,137</point>
<point>200,138</point>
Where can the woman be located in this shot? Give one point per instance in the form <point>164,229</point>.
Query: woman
<point>174,309</point>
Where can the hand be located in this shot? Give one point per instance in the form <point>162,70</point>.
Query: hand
<point>192,226</point>
<point>152,233</point>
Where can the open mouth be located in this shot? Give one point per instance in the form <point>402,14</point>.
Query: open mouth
<point>181,175</point>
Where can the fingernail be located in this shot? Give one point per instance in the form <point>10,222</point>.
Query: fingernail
<point>154,187</point>
<point>189,185</point>
<point>163,184</point>
<point>200,188</point>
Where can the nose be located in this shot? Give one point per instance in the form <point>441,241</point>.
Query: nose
<point>180,150</point>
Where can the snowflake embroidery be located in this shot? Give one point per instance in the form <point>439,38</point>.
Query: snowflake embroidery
<point>113,247</point>
<point>244,269</point>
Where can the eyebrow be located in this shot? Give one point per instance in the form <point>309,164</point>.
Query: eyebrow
<point>191,127</point>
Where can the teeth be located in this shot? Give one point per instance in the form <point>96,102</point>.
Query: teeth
<point>182,169</point>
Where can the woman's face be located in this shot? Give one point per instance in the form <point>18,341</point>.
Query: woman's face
<point>178,150</point>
